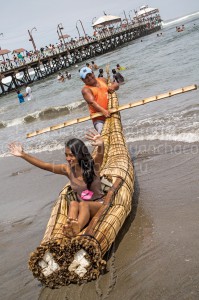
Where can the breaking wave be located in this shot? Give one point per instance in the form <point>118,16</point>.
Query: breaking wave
<point>181,137</point>
<point>46,114</point>
<point>2,124</point>
<point>177,127</point>
<point>175,21</point>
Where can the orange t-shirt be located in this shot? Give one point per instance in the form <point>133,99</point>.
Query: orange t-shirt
<point>101,97</point>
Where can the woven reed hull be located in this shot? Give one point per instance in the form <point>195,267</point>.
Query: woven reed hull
<point>98,237</point>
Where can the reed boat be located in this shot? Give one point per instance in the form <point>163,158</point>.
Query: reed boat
<point>61,261</point>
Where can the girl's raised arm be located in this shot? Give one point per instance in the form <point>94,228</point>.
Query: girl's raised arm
<point>16,149</point>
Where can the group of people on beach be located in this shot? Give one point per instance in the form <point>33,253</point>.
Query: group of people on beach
<point>117,76</point>
<point>81,168</point>
<point>180,28</point>
<point>61,77</point>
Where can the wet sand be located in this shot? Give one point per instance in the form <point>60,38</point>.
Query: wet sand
<point>155,255</point>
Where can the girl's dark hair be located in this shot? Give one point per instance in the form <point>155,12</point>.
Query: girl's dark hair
<point>85,160</point>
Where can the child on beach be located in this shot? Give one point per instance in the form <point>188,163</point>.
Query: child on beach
<point>83,172</point>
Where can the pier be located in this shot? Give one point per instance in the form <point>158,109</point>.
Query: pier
<point>43,66</point>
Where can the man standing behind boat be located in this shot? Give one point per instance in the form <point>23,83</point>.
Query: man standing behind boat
<point>95,93</point>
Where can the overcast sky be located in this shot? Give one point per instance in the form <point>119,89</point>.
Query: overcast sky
<point>16,17</point>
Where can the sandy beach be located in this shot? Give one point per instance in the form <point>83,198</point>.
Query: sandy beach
<point>155,253</point>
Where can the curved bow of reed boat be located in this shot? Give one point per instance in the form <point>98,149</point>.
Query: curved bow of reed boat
<point>61,261</point>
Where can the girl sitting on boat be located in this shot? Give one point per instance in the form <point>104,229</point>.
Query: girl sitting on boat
<point>83,172</point>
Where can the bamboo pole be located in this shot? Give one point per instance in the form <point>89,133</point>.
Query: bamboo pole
<point>120,108</point>
<point>108,72</point>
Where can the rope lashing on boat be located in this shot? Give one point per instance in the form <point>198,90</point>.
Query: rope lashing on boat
<point>92,237</point>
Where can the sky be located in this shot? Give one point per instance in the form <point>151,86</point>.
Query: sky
<point>17,17</point>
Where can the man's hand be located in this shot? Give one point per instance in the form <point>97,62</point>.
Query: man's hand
<point>106,113</point>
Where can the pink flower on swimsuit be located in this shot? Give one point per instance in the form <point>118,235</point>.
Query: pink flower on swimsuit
<point>86,195</point>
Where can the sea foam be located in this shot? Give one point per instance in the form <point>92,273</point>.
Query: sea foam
<point>179,20</point>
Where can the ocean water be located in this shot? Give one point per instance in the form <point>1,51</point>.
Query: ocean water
<point>154,66</point>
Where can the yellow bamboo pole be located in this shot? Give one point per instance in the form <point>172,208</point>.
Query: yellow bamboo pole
<point>120,108</point>
<point>108,72</point>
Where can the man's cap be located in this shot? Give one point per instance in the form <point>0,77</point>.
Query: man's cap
<point>84,71</point>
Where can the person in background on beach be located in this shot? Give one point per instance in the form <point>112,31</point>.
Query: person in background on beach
<point>83,171</point>
<point>28,92</point>
<point>89,66</point>
<point>117,77</point>
<point>94,66</point>
<point>179,29</point>
<point>60,77</point>
<point>101,71</point>
<point>68,75</point>
<point>120,68</point>
<point>95,93</point>
<point>21,97</point>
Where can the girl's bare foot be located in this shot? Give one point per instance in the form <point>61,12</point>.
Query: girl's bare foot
<point>75,227</point>
<point>67,229</point>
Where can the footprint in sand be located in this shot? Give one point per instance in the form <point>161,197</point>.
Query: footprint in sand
<point>21,172</point>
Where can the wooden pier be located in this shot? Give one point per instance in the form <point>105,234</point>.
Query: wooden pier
<point>46,66</point>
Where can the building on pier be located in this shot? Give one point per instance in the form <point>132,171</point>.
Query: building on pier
<point>147,14</point>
